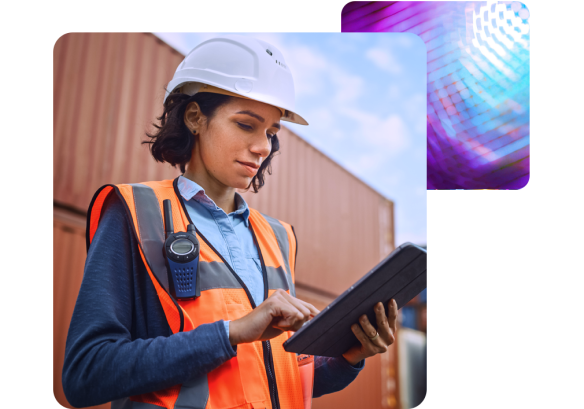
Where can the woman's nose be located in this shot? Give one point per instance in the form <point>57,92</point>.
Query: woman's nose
<point>262,146</point>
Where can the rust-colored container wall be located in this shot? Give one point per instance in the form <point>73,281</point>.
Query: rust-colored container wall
<point>108,89</point>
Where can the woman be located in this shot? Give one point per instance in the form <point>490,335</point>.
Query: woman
<point>132,339</point>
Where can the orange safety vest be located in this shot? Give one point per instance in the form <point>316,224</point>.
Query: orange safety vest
<point>262,375</point>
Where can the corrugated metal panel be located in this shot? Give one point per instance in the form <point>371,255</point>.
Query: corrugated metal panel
<point>68,263</point>
<point>108,88</point>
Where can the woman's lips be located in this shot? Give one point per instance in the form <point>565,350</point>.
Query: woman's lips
<point>250,168</point>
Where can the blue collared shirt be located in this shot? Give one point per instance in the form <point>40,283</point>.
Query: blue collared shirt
<point>228,233</point>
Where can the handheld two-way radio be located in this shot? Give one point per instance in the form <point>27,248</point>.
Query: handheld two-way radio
<point>182,255</point>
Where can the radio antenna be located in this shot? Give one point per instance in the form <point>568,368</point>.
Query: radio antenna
<point>168,226</point>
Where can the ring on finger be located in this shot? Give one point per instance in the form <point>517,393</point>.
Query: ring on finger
<point>375,337</point>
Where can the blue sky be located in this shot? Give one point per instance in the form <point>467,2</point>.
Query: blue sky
<point>364,96</point>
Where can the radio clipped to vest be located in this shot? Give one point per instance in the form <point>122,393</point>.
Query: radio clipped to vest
<point>181,251</point>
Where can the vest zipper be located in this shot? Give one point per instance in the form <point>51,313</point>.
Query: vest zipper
<point>266,346</point>
<point>269,361</point>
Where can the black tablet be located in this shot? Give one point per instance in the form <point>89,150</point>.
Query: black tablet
<point>401,275</point>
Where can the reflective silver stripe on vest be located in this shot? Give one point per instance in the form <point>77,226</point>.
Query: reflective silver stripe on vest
<point>282,238</point>
<point>126,403</point>
<point>216,275</point>
<point>151,229</point>
<point>277,278</point>
<point>193,394</point>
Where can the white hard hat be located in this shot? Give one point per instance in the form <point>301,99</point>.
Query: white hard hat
<point>240,66</point>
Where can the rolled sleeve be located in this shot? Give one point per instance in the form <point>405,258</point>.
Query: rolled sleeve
<point>333,374</point>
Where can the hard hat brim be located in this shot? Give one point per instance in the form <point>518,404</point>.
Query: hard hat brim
<point>287,115</point>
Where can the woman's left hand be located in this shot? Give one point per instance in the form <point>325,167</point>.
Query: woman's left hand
<point>366,334</point>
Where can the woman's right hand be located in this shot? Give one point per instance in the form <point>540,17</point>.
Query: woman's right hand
<point>278,313</point>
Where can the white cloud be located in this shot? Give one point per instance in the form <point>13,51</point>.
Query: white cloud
<point>415,111</point>
<point>348,87</point>
<point>346,43</point>
<point>390,134</point>
<point>365,163</point>
<point>314,74</point>
<point>392,180</point>
<point>324,121</point>
<point>415,105</point>
<point>309,69</point>
<point>308,58</point>
<point>384,60</point>
<point>394,92</point>
<point>421,128</point>
<point>381,174</point>
<point>406,40</point>
<point>323,118</point>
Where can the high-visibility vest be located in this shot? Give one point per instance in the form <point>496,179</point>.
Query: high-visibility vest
<point>262,375</point>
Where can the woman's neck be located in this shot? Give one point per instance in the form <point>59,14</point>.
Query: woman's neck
<point>222,195</point>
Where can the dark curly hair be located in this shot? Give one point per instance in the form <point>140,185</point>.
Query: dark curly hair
<point>173,142</point>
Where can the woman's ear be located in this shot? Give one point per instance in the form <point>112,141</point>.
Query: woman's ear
<point>193,117</point>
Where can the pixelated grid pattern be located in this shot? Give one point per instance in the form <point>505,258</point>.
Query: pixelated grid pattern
<point>478,85</point>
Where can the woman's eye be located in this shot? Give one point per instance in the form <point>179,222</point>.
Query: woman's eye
<point>250,128</point>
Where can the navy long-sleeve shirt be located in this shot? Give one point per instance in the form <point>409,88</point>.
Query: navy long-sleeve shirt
<point>119,343</point>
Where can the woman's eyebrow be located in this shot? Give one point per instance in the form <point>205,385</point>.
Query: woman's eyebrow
<point>259,118</point>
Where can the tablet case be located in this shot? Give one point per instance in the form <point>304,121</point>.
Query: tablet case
<point>401,275</point>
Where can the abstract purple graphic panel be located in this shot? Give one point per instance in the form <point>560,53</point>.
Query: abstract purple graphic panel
<point>478,85</point>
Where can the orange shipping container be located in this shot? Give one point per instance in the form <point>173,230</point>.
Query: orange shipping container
<point>108,89</point>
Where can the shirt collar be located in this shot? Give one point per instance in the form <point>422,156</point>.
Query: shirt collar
<point>192,190</point>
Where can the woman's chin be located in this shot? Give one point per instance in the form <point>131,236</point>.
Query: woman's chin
<point>241,182</point>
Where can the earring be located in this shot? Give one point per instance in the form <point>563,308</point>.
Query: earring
<point>194,132</point>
